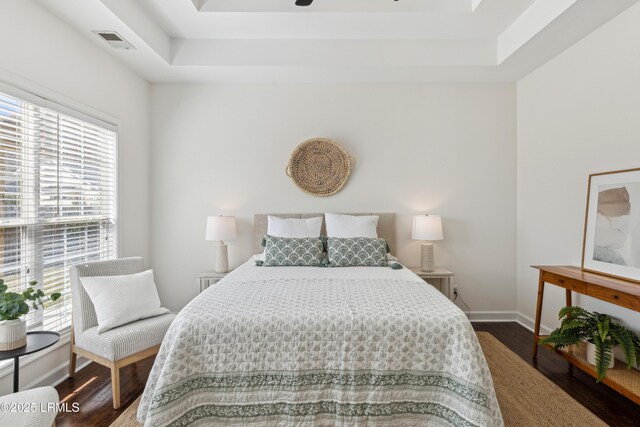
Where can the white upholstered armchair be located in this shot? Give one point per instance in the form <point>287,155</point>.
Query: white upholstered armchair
<point>116,347</point>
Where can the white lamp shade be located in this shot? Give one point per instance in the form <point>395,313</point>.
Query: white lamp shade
<point>220,228</point>
<point>427,227</point>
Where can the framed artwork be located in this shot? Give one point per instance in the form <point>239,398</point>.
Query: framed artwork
<point>611,242</point>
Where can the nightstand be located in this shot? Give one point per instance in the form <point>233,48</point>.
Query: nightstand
<point>209,278</point>
<point>439,276</point>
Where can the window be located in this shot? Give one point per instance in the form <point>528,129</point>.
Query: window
<point>57,185</point>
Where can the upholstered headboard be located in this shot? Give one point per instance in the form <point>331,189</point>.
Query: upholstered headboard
<point>386,227</point>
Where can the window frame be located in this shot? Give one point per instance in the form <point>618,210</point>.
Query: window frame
<point>41,97</point>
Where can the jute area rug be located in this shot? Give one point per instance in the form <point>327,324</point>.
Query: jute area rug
<point>527,398</point>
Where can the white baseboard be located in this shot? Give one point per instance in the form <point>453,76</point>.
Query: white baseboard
<point>56,375</point>
<point>508,316</point>
<point>529,323</point>
<point>493,316</point>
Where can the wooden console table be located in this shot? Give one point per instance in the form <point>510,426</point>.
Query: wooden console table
<point>616,291</point>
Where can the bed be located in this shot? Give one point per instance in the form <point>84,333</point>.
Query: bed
<point>302,346</point>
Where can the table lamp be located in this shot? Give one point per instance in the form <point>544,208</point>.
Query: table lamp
<point>427,228</point>
<point>221,228</point>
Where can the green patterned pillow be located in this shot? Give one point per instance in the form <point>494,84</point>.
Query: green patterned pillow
<point>281,251</point>
<point>357,251</point>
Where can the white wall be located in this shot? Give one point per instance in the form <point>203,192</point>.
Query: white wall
<point>43,55</point>
<point>577,114</point>
<point>444,148</point>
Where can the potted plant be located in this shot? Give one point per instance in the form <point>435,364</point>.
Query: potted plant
<point>14,305</point>
<point>600,332</point>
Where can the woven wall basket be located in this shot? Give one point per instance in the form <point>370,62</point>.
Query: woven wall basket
<point>320,167</point>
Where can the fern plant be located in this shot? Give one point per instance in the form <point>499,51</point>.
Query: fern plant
<point>578,324</point>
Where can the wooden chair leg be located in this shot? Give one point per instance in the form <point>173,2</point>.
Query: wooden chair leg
<point>72,356</point>
<point>115,385</point>
<point>72,364</point>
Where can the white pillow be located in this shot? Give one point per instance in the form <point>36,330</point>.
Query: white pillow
<point>294,227</point>
<point>348,226</point>
<point>123,299</point>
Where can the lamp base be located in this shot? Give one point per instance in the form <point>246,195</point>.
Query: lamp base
<point>427,264</point>
<point>222,258</point>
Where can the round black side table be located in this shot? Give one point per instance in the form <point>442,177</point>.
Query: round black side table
<point>36,341</point>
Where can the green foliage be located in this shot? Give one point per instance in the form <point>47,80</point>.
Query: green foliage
<point>13,305</point>
<point>626,339</point>
<point>578,324</point>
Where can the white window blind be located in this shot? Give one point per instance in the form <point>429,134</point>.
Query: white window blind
<point>57,185</point>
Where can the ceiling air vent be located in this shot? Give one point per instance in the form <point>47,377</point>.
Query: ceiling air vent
<point>114,40</point>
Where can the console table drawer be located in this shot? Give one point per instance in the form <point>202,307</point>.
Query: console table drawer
<point>565,282</point>
<point>610,295</point>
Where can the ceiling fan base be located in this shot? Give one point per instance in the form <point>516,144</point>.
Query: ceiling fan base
<point>303,2</point>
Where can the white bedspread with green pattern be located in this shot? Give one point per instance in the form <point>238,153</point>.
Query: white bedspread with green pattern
<point>302,346</point>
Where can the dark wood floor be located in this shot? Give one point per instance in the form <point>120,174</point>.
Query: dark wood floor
<point>91,387</point>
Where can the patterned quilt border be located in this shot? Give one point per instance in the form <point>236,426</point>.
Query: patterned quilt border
<point>319,408</point>
<point>326,378</point>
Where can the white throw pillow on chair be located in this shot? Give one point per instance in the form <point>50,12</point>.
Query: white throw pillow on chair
<point>119,300</point>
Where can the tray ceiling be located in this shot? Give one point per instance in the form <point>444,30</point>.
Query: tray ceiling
<point>337,40</point>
